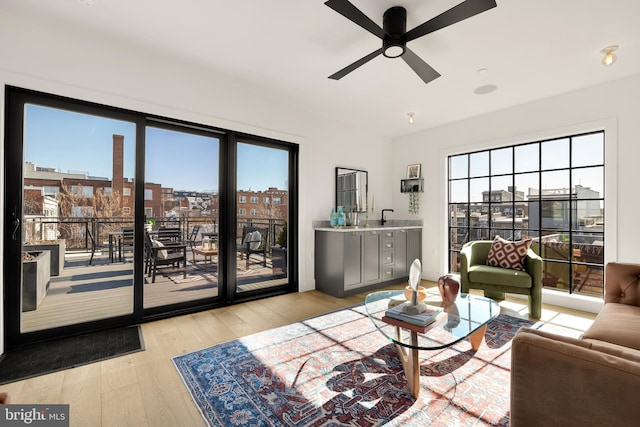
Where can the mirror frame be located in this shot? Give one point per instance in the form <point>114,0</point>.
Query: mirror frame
<point>366,185</point>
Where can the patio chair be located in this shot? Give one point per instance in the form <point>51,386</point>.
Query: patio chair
<point>159,255</point>
<point>125,242</point>
<point>169,234</point>
<point>194,235</point>
<point>254,241</point>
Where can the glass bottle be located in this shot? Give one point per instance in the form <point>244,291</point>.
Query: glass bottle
<point>333,218</point>
<point>340,217</point>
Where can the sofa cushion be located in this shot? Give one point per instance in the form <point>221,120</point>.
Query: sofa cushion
<point>499,276</point>
<point>506,254</point>
<point>616,324</point>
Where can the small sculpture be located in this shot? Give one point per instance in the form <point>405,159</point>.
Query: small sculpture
<point>414,280</point>
<point>449,286</point>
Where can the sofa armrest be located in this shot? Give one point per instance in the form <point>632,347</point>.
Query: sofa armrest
<point>562,381</point>
<point>622,283</point>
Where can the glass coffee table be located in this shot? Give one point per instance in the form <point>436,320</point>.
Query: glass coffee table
<point>466,318</point>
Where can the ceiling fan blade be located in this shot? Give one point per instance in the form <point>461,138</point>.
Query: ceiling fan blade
<point>352,13</point>
<point>346,70</point>
<point>458,13</point>
<point>421,68</point>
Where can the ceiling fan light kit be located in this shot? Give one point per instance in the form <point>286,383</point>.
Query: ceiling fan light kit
<point>394,24</point>
<point>394,34</point>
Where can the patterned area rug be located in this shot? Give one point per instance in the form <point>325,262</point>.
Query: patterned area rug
<point>337,369</point>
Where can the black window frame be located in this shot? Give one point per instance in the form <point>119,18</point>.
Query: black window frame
<point>462,226</point>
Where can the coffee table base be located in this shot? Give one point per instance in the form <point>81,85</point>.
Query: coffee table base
<point>409,357</point>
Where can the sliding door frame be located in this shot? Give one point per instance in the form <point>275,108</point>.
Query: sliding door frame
<point>16,98</point>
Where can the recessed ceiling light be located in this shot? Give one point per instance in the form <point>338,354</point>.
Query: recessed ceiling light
<point>411,114</point>
<point>483,90</point>
<point>609,56</point>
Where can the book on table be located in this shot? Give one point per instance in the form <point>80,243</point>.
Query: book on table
<point>428,314</point>
<point>412,327</point>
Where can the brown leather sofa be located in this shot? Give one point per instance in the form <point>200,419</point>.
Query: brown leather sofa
<point>591,381</point>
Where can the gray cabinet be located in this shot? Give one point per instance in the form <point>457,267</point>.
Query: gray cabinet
<point>371,258</point>
<point>347,262</point>
<point>414,246</point>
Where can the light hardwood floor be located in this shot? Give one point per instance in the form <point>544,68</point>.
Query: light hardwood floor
<point>144,388</point>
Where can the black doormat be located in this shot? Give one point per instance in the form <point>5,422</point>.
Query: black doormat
<point>44,358</point>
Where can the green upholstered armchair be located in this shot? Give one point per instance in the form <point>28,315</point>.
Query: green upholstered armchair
<point>496,281</point>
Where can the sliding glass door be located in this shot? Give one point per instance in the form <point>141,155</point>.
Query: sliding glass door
<point>113,217</point>
<point>181,216</point>
<point>262,214</point>
<point>66,172</point>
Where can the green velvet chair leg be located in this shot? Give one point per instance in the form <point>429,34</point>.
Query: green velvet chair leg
<point>498,296</point>
<point>535,304</point>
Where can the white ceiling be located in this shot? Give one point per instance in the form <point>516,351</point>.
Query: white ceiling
<point>285,49</point>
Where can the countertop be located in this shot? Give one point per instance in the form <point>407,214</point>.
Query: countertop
<point>363,228</point>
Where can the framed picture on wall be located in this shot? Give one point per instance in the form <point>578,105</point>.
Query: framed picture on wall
<point>413,171</point>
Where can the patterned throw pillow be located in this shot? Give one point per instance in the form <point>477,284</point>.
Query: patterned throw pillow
<point>506,254</point>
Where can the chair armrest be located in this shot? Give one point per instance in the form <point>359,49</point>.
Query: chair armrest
<point>533,266</point>
<point>561,381</point>
<point>465,260</point>
<point>622,283</point>
<point>472,253</point>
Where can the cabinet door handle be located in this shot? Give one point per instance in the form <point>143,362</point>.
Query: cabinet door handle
<point>374,232</point>
<point>353,233</point>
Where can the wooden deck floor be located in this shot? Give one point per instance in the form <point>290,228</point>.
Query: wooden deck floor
<point>101,290</point>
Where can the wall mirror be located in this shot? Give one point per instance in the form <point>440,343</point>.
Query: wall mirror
<point>351,189</point>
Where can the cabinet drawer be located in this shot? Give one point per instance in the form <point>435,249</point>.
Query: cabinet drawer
<point>388,258</point>
<point>387,273</point>
<point>388,234</point>
<point>387,245</point>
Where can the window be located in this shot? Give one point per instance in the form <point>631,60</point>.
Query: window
<point>550,191</point>
<point>265,200</point>
<point>242,199</point>
<point>51,191</point>
<point>242,212</point>
<point>82,190</point>
<point>277,201</point>
<point>81,211</point>
<point>126,191</point>
<point>253,212</point>
<point>148,194</point>
<point>254,199</point>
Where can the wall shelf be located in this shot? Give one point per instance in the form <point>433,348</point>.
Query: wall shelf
<point>413,185</point>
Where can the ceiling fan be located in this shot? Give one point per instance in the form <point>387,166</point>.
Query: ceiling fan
<point>395,36</point>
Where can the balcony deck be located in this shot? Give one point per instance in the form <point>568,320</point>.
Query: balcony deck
<point>84,292</point>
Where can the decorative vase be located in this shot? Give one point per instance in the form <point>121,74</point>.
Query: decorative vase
<point>422,293</point>
<point>449,286</point>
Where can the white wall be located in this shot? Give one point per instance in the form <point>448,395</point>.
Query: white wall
<point>88,67</point>
<point>614,107</point>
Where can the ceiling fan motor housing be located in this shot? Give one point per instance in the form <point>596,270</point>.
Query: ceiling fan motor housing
<point>394,23</point>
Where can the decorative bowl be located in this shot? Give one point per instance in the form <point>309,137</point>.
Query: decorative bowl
<point>422,293</point>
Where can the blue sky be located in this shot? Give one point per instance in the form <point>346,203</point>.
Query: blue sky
<point>74,142</point>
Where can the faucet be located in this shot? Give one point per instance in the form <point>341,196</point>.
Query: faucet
<point>382,221</point>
